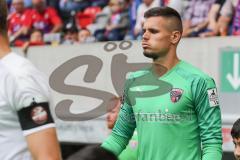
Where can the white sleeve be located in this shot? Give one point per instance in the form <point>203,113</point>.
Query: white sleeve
<point>227,9</point>
<point>9,86</point>
<point>29,97</point>
<point>177,5</point>
<point>30,88</point>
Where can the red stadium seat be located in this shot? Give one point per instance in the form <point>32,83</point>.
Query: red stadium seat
<point>87,16</point>
<point>83,20</point>
<point>92,11</point>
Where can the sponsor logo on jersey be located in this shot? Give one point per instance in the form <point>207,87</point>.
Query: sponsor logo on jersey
<point>176,94</point>
<point>213,97</point>
<point>39,115</point>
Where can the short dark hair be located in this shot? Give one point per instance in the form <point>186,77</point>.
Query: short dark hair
<point>3,17</point>
<point>235,132</point>
<point>166,12</point>
<point>93,152</point>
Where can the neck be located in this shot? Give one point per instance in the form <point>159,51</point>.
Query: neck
<point>20,12</point>
<point>148,4</point>
<point>4,48</point>
<point>163,64</point>
<point>40,9</point>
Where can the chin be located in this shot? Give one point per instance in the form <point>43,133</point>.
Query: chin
<point>150,55</point>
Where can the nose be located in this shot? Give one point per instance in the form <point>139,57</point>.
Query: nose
<point>145,35</point>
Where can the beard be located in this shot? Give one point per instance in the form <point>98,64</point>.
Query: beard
<point>151,55</point>
<point>155,55</point>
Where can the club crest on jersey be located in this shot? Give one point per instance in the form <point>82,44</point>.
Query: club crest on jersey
<point>39,115</point>
<point>176,94</point>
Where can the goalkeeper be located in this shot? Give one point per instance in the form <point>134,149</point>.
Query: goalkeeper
<point>173,105</point>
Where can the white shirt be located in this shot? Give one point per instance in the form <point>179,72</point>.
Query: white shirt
<point>142,8</point>
<point>20,83</point>
<point>228,8</point>
<point>179,5</point>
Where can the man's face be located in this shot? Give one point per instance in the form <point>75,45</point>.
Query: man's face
<point>236,142</point>
<point>38,4</point>
<point>18,5</point>
<point>83,35</point>
<point>156,37</point>
<point>36,37</point>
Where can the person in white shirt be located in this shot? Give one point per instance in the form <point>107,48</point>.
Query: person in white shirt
<point>228,11</point>
<point>179,5</point>
<point>142,8</point>
<point>26,126</point>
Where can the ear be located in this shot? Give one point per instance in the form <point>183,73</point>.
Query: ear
<point>175,37</point>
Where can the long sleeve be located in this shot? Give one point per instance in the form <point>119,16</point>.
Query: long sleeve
<point>124,127</point>
<point>122,131</point>
<point>209,117</point>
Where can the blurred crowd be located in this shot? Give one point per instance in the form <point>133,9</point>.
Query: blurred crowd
<point>40,22</point>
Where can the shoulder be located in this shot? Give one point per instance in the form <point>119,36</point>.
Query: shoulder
<point>33,11</point>
<point>137,74</point>
<point>5,74</point>
<point>28,11</point>
<point>50,10</point>
<point>132,76</point>
<point>22,69</point>
<point>199,80</point>
<point>7,83</point>
<point>190,72</point>
<point>17,64</point>
<point>29,82</point>
<point>12,15</point>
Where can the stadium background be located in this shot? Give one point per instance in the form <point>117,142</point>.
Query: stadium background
<point>74,133</point>
<point>218,56</point>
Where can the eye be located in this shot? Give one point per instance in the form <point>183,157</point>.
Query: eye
<point>154,31</point>
<point>144,30</point>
